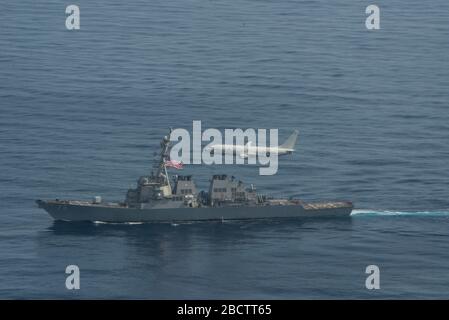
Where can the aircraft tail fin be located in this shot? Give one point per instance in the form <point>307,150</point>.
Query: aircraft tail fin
<point>291,141</point>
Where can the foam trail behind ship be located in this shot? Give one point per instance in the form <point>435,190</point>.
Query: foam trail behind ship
<point>373,212</point>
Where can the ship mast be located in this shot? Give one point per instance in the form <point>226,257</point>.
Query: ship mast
<point>161,169</point>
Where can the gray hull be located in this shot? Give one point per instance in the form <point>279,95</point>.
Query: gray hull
<point>79,212</point>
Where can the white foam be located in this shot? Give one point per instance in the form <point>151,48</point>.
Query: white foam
<point>373,212</point>
<point>128,223</point>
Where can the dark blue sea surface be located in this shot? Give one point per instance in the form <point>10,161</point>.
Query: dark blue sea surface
<point>82,112</point>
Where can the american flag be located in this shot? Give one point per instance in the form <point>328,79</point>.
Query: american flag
<point>174,164</point>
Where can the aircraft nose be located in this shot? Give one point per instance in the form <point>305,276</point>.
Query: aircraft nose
<point>209,149</point>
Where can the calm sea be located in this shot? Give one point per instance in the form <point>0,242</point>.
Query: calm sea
<point>82,112</point>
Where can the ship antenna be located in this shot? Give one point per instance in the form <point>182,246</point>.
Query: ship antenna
<point>163,156</point>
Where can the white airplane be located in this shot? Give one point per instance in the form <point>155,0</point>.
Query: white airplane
<point>248,150</point>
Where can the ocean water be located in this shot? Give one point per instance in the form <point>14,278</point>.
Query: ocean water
<point>81,113</point>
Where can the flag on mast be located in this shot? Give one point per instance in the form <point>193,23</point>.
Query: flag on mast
<point>174,164</point>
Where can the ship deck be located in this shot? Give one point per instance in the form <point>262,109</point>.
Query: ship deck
<point>271,202</point>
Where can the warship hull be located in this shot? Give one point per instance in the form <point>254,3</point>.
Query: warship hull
<point>119,214</point>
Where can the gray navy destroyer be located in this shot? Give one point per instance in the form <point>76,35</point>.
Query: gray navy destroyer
<point>157,199</point>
